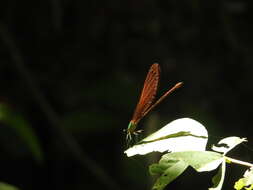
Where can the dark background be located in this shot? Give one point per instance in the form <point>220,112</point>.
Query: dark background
<point>74,70</point>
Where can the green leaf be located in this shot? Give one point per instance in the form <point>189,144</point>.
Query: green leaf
<point>158,169</point>
<point>5,186</point>
<point>172,165</point>
<point>169,175</point>
<point>249,188</point>
<point>179,135</point>
<point>23,130</point>
<point>239,184</point>
<point>218,179</point>
<point>247,180</point>
<point>228,143</point>
<point>199,160</point>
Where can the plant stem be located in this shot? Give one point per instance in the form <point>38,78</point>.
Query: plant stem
<point>231,160</point>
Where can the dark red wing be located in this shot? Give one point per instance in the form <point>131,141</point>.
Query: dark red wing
<point>148,92</point>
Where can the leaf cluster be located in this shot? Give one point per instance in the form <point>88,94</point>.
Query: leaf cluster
<point>174,163</point>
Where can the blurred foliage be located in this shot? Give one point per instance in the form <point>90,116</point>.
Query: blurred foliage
<point>5,186</point>
<point>23,129</point>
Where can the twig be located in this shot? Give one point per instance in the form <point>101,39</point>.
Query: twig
<point>52,117</point>
<point>232,160</point>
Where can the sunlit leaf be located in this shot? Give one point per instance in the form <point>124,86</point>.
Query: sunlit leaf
<point>249,188</point>
<point>199,160</point>
<point>179,135</point>
<point>169,174</point>
<point>246,181</point>
<point>218,179</point>
<point>23,129</point>
<point>173,164</point>
<point>227,144</point>
<point>158,169</point>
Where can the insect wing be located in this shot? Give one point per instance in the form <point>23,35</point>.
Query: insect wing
<point>148,92</point>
